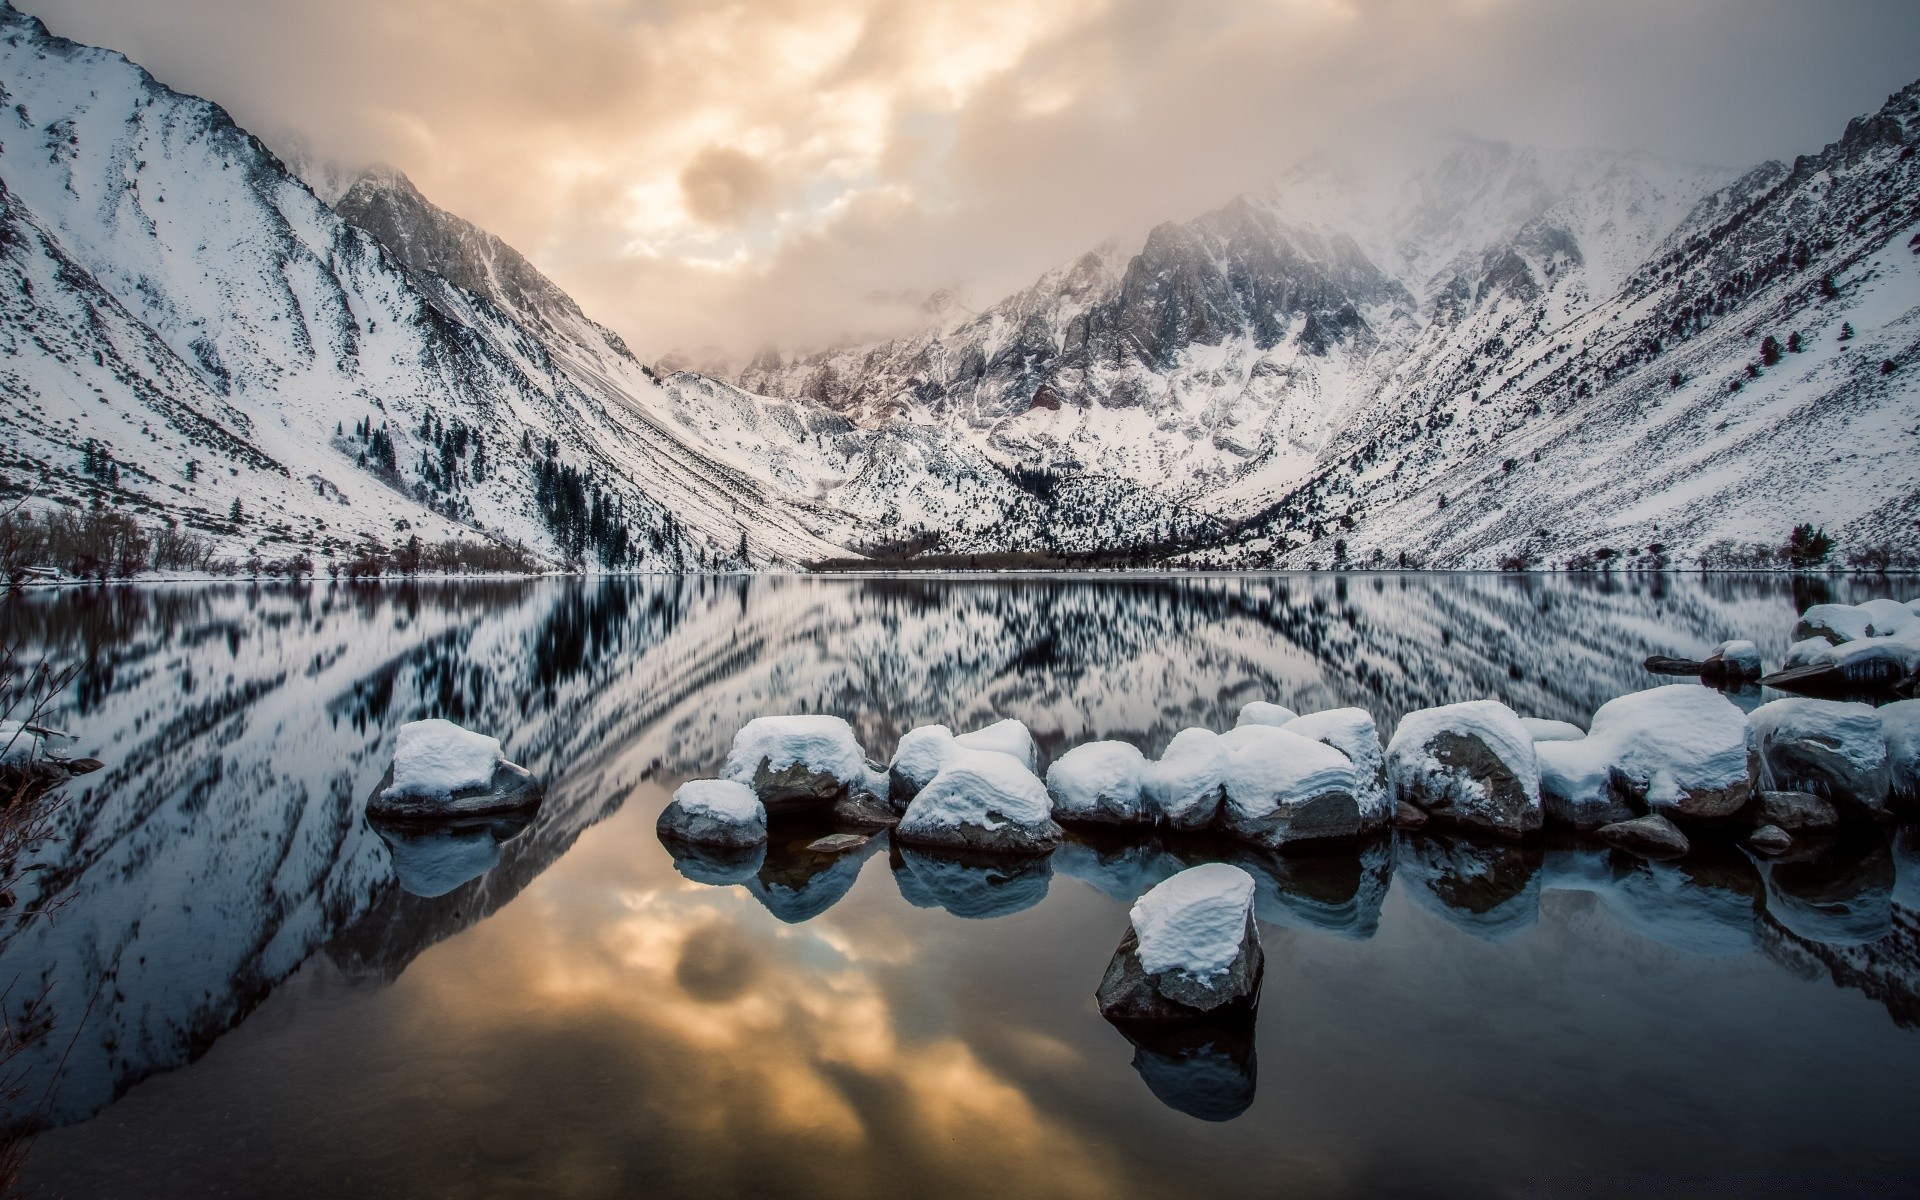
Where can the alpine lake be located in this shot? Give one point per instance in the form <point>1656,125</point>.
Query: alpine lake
<point>243,989</point>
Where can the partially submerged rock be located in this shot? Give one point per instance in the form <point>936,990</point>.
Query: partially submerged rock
<point>797,762</point>
<point>1353,733</point>
<point>1100,783</point>
<point>1770,839</point>
<point>1900,728</point>
<point>1191,950</point>
<point>1841,623</point>
<point>1186,784</point>
<point>1795,811</point>
<point>1409,816</point>
<point>983,801</point>
<point>1008,737</point>
<point>1869,665</point>
<point>1834,749</point>
<point>1681,750</point>
<point>838,843</point>
<point>1651,836</point>
<point>1540,729</point>
<point>924,751</point>
<point>1468,764</point>
<point>1261,712</point>
<point>1282,788</point>
<point>1735,661</point>
<point>441,771</point>
<point>714,812</point>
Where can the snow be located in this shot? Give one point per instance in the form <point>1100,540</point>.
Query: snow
<point>921,753</point>
<point>1542,730</point>
<point>1680,738</point>
<point>1835,623</point>
<point>1741,654</point>
<point>1900,724</point>
<point>824,745</point>
<point>17,746</point>
<point>1261,712</point>
<point>1099,781</point>
<point>1575,784</point>
<point>1008,737</point>
<point>1353,733</point>
<point>1269,767</point>
<point>980,789</point>
<point>1183,786</point>
<point>722,799</point>
<point>1411,769</point>
<point>438,758</point>
<point>1845,731</point>
<point>1195,921</point>
<point>1877,659</point>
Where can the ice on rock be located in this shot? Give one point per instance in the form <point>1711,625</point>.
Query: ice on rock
<point>715,812</point>
<point>1283,788</point>
<point>1100,782</point>
<point>1352,732</point>
<point>18,746</point>
<point>1831,748</point>
<point>1542,730</point>
<point>1900,726</point>
<point>1864,662</point>
<point>1191,949</point>
<point>1008,737</point>
<point>982,800</point>
<point>1469,764</point>
<point>1184,786</point>
<point>797,761</point>
<point>1683,750</point>
<point>438,758</point>
<point>1260,712</point>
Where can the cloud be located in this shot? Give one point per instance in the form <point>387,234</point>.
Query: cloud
<point>757,170</point>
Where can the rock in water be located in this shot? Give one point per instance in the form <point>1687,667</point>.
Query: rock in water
<point>1666,664</point>
<point>1900,724</point>
<point>1191,950</point>
<point>1187,783</point>
<point>1736,661</point>
<point>1008,737</point>
<point>1682,750</point>
<point>714,812</point>
<point>924,751</point>
<point>1834,749</point>
<point>794,763</point>
<point>837,843</point>
<point>1409,816</point>
<point>1649,837</point>
<point>440,770</point>
<point>1100,783</point>
<point>1796,811</point>
<point>984,801</point>
<point>1770,839</point>
<point>1352,732</point>
<point>1468,764</point>
<point>1260,712</point>
<point>1282,788</point>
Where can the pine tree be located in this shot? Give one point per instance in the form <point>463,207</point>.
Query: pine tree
<point>236,514</point>
<point>1794,344</point>
<point>1846,331</point>
<point>1770,351</point>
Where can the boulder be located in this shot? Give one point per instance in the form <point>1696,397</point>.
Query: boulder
<point>1186,784</point>
<point>866,807</point>
<point>1191,950</point>
<point>1732,662</point>
<point>1865,666</point>
<point>838,843</point>
<point>1008,737</point>
<point>1795,811</point>
<point>1260,712</point>
<point>1666,664</point>
<point>797,762</point>
<point>1770,839</point>
<point>1834,749</point>
<point>1682,750</point>
<point>1282,789</point>
<point>1409,816</point>
<point>441,771</point>
<point>1353,733</point>
<point>1100,783</point>
<point>924,751</point>
<point>1651,836</point>
<point>1900,729</point>
<point>714,812</point>
<point>981,801</point>
<point>1470,765</point>
<point>1838,624</point>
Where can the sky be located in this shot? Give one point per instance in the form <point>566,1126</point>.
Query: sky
<point>729,175</point>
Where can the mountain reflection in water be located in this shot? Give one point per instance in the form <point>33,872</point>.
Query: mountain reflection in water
<point>568,1007</point>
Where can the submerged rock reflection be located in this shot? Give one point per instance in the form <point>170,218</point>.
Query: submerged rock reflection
<point>970,884</point>
<point>433,859</point>
<point>1205,1069</point>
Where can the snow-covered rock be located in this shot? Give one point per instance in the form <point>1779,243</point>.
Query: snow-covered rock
<point>1469,764</point>
<point>440,770</point>
<point>924,751</point>
<point>1263,712</point>
<point>1651,836</point>
<point>1900,724</point>
<point>1186,784</point>
<point>1191,949</point>
<point>797,762</point>
<point>1842,623</point>
<point>1834,749</point>
<point>1735,661</point>
<point>1863,663</point>
<point>1683,749</point>
<point>1540,729</point>
<point>1283,788</point>
<point>714,812</point>
<point>981,800</point>
<point>1100,783</point>
<point>1353,733</point>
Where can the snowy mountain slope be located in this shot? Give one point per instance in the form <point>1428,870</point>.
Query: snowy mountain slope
<point>195,275</point>
<point>1661,415</point>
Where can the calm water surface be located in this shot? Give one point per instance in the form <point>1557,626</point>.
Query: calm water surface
<point>253,993</point>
